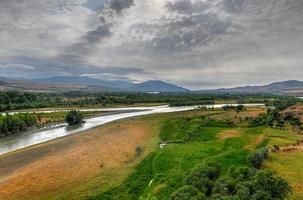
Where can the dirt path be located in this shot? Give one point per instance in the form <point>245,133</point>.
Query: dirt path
<point>58,166</point>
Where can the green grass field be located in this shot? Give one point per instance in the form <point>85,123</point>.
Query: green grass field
<point>205,136</point>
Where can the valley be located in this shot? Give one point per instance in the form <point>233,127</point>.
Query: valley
<point>104,160</point>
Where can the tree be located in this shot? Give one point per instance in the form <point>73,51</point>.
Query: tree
<point>202,177</point>
<point>11,124</point>
<point>272,184</point>
<point>240,108</point>
<point>187,193</point>
<point>255,160</point>
<point>73,118</point>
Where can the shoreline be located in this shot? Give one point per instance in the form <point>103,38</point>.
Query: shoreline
<point>17,142</point>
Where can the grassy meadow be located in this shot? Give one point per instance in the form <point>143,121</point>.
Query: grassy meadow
<point>195,137</point>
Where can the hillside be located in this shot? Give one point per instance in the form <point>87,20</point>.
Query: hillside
<point>79,83</point>
<point>83,80</point>
<point>29,86</point>
<point>157,86</point>
<point>63,84</point>
<point>284,87</point>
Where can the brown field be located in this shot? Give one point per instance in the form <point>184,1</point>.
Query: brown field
<point>54,170</point>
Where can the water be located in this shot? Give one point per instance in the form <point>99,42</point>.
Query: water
<point>19,141</point>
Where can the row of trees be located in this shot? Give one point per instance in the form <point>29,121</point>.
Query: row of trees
<point>237,108</point>
<point>19,100</point>
<point>206,182</point>
<point>276,119</point>
<point>13,100</point>
<point>12,124</point>
<point>282,103</point>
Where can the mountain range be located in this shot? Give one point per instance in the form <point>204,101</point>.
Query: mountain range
<point>148,86</point>
<point>286,87</point>
<point>81,83</point>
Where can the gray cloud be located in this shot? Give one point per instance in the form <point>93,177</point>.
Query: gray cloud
<point>99,33</point>
<point>195,43</point>
<point>187,7</point>
<point>119,5</point>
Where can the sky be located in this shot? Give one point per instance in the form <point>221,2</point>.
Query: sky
<point>198,44</point>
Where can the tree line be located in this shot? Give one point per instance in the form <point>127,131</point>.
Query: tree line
<point>277,119</point>
<point>12,124</point>
<point>13,100</point>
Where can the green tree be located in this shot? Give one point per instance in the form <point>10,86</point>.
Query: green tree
<point>275,186</point>
<point>255,160</point>
<point>73,118</point>
<point>187,193</point>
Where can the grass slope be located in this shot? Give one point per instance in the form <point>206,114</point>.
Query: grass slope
<point>193,140</point>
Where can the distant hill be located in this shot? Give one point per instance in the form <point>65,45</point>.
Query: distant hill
<point>148,86</point>
<point>83,80</point>
<point>157,86</point>
<point>288,87</point>
<point>79,83</point>
<point>30,86</point>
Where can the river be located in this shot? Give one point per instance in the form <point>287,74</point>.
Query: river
<point>29,138</point>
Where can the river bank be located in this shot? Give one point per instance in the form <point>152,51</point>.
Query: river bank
<point>15,142</point>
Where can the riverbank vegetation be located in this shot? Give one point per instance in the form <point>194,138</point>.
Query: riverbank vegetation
<point>12,124</point>
<point>16,123</point>
<point>18,100</point>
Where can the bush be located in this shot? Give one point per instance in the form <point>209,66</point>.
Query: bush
<point>256,159</point>
<point>139,151</point>
<point>239,184</point>
<point>267,182</point>
<point>203,176</point>
<point>12,124</point>
<point>187,193</point>
<point>73,118</point>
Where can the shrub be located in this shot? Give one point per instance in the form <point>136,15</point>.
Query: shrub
<point>139,150</point>
<point>187,193</point>
<point>271,184</point>
<point>73,118</point>
<point>202,177</point>
<point>255,160</point>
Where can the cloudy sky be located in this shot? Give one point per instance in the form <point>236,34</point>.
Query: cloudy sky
<point>194,43</point>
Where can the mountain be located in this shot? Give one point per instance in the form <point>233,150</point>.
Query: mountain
<point>77,83</point>
<point>157,86</point>
<point>148,86</point>
<point>83,80</point>
<point>286,87</point>
<point>81,83</point>
<point>31,86</point>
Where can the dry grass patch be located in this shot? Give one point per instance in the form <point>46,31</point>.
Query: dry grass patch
<point>229,134</point>
<point>254,143</point>
<point>54,169</point>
